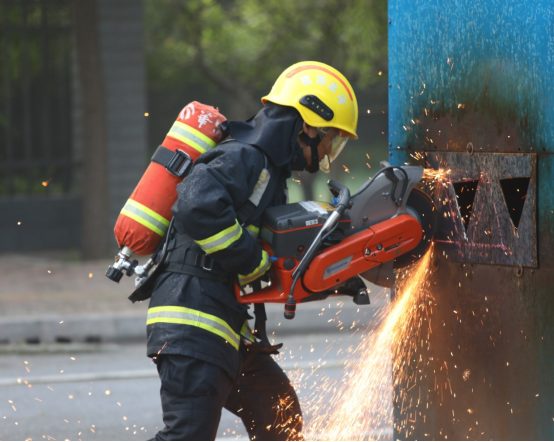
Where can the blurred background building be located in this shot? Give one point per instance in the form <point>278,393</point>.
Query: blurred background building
<point>89,88</point>
<point>72,126</point>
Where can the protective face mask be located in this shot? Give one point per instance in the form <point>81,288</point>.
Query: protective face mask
<point>298,161</point>
<point>313,143</point>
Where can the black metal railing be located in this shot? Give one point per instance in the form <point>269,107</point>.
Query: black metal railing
<point>36,148</point>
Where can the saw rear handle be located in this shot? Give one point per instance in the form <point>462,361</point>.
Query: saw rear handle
<point>344,202</point>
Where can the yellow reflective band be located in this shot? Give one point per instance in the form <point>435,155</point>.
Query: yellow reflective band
<point>187,316</point>
<point>191,136</point>
<point>260,270</point>
<point>246,333</point>
<point>221,240</point>
<point>145,216</point>
<point>253,230</point>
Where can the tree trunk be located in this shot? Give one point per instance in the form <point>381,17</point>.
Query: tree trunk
<point>95,240</point>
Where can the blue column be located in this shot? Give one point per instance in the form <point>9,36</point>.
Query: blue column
<point>471,90</point>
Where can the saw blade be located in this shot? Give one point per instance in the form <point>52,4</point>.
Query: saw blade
<point>420,206</point>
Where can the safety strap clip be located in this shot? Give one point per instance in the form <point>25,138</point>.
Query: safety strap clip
<point>207,263</point>
<point>180,163</point>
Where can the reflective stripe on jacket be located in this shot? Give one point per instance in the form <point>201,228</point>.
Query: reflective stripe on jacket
<point>221,240</point>
<point>264,266</point>
<point>172,314</point>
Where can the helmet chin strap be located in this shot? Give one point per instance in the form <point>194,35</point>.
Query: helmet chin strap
<point>313,143</point>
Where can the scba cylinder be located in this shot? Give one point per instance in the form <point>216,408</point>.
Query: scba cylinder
<point>145,218</point>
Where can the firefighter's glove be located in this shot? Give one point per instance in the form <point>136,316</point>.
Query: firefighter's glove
<point>263,268</point>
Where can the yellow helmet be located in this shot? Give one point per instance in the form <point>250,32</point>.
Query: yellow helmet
<point>321,94</point>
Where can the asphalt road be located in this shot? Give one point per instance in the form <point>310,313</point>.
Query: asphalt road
<point>111,392</point>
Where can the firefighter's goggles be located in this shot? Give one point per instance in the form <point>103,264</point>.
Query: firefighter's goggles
<point>333,141</point>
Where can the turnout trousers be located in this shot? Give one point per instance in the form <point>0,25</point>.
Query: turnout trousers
<point>193,393</point>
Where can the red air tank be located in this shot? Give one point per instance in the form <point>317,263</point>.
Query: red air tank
<point>146,215</point>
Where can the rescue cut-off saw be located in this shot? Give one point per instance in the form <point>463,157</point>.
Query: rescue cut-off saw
<point>320,250</point>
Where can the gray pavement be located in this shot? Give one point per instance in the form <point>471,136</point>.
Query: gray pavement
<point>59,284</point>
<point>111,392</point>
<point>107,393</point>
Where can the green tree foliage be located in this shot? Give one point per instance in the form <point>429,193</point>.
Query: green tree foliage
<point>241,46</point>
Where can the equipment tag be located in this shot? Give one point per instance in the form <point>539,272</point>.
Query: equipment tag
<point>328,207</point>
<point>312,206</point>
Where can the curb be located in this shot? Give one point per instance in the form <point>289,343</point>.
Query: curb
<point>91,329</point>
<point>329,316</point>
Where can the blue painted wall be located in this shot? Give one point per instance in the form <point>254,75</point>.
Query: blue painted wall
<point>443,53</point>
<point>480,71</point>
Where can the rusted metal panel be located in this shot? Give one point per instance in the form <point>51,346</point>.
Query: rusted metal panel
<point>490,236</point>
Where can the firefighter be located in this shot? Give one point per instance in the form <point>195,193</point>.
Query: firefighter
<point>198,334</point>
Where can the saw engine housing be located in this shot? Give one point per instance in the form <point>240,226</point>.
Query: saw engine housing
<point>374,229</point>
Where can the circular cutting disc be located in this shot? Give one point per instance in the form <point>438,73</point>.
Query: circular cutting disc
<point>420,206</point>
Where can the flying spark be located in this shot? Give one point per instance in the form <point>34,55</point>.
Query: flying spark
<point>433,175</point>
<point>361,400</point>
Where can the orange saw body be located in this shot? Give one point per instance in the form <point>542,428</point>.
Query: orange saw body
<point>319,250</point>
